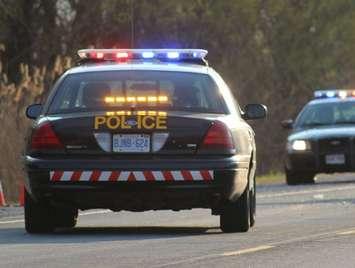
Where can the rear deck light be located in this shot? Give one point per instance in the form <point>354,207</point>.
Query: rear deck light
<point>44,138</point>
<point>134,99</point>
<point>218,137</point>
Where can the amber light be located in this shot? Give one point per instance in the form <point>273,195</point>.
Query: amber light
<point>153,113</point>
<point>131,99</point>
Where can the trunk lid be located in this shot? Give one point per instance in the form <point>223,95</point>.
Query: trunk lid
<point>175,133</point>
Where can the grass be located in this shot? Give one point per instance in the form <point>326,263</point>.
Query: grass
<point>270,178</point>
<point>14,98</point>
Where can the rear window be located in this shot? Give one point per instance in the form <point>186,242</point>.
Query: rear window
<point>153,90</point>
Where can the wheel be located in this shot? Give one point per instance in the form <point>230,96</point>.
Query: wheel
<point>253,204</point>
<point>295,178</point>
<point>44,218</point>
<point>235,216</point>
<point>65,217</point>
<point>38,216</point>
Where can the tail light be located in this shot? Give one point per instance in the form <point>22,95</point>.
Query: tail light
<point>44,138</point>
<point>218,137</point>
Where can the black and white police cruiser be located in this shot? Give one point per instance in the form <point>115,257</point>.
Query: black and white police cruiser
<point>322,138</point>
<point>137,130</point>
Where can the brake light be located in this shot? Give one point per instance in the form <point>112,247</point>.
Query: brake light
<point>218,137</point>
<point>44,138</point>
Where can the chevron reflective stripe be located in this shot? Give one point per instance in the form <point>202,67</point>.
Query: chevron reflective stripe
<point>130,176</point>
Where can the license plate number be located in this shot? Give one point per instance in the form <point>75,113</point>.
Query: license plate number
<point>131,143</point>
<point>335,159</point>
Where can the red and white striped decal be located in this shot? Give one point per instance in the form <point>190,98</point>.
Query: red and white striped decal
<point>113,176</point>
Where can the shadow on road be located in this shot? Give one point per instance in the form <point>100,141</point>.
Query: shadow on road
<point>101,234</point>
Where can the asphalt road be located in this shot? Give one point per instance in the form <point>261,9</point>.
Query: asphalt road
<point>299,226</point>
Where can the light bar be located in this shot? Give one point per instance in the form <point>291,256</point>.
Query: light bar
<point>334,93</point>
<point>126,54</point>
<point>135,99</point>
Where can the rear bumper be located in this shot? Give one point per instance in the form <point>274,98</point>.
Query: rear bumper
<point>230,177</point>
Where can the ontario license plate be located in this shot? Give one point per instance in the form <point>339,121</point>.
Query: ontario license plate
<point>131,143</point>
<point>335,159</point>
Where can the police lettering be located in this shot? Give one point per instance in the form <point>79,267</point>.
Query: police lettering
<point>119,122</point>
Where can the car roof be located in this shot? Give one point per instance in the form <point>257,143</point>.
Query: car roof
<point>146,66</point>
<point>330,100</point>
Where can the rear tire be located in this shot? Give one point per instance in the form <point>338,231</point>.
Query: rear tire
<point>296,178</point>
<point>253,204</point>
<point>44,218</point>
<point>65,217</point>
<point>38,216</point>
<point>235,216</point>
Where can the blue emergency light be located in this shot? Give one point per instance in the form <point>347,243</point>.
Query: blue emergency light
<point>122,55</point>
<point>334,93</point>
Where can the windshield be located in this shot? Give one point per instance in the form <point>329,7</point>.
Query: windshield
<point>342,112</point>
<point>152,90</point>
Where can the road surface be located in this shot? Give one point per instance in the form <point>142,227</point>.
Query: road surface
<point>299,226</point>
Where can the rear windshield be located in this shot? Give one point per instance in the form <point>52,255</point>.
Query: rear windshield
<point>153,90</point>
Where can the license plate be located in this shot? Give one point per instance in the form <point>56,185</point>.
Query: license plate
<point>335,159</point>
<point>131,143</point>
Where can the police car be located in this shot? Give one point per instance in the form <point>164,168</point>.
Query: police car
<point>322,138</point>
<point>140,130</point>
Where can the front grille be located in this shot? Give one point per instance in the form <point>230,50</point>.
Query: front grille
<point>335,146</point>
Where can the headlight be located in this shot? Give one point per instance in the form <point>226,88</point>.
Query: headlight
<point>299,145</point>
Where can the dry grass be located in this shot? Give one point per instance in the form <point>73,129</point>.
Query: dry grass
<point>14,98</point>
<point>271,178</point>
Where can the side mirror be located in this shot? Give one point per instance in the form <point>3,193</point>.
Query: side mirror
<point>33,111</point>
<point>287,124</point>
<point>254,111</point>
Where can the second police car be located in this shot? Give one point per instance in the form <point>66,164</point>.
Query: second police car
<point>140,130</point>
<point>322,138</point>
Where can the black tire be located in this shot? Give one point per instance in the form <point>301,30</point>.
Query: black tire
<point>296,178</point>
<point>253,204</point>
<point>44,218</point>
<point>65,217</point>
<point>235,215</point>
<point>38,216</point>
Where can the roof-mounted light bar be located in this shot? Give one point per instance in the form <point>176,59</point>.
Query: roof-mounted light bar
<point>122,55</point>
<point>334,93</point>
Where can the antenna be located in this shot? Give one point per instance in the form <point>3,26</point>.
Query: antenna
<point>132,22</point>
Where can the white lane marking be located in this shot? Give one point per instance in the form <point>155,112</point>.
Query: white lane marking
<point>14,221</point>
<point>94,212</point>
<point>80,214</point>
<point>307,192</point>
<point>318,196</point>
<point>350,232</point>
<point>218,255</point>
<point>261,247</point>
<point>247,250</point>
